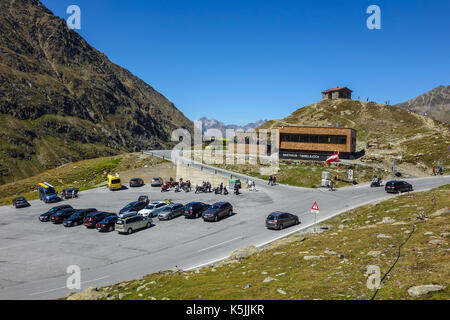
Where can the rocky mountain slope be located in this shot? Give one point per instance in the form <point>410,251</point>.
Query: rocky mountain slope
<point>387,133</point>
<point>434,103</point>
<point>208,123</point>
<point>62,100</point>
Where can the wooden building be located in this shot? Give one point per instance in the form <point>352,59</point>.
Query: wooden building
<point>315,143</point>
<point>337,93</point>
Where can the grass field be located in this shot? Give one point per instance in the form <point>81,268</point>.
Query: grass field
<point>327,265</point>
<point>84,175</point>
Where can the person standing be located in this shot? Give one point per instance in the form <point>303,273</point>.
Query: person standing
<point>274,180</point>
<point>270,180</point>
<point>331,185</point>
<point>434,171</point>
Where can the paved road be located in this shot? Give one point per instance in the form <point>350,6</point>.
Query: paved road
<point>34,256</point>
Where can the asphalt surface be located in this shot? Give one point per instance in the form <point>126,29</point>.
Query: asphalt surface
<point>34,256</point>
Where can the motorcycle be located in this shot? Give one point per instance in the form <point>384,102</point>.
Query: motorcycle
<point>376,183</point>
<point>165,187</point>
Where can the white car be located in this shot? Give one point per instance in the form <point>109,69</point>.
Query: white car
<point>151,208</point>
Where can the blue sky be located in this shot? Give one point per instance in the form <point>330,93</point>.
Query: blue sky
<point>242,61</point>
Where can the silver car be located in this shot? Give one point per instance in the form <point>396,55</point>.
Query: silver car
<point>131,224</point>
<point>157,182</point>
<point>170,211</point>
<point>151,210</point>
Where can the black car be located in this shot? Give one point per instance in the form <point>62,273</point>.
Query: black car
<point>397,186</point>
<point>107,224</point>
<point>46,216</point>
<point>135,206</point>
<point>195,209</point>
<point>61,215</point>
<point>69,193</point>
<point>91,220</point>
<point>217,211</point>
<point>280,220</point>
<point>78,217</point>
<point>136,182</point>
<point>20,202</point>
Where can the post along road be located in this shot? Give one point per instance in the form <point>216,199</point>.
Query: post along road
<point>34,256</point>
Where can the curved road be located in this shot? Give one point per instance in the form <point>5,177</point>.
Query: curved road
<point>34,256</point>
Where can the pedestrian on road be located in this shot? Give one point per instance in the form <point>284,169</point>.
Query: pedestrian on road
<point>254,186</point>
<point>270,180</point>
<point>274,180</point>
<point>440,169</point>
<point>331,185</point>
<point>434,171</point>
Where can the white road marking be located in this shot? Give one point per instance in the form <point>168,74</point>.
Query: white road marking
<point>219,244</point>
<point>61,288</point>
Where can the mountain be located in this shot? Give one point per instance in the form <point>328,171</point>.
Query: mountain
<point>386,133</point>
<point>62,100</point>
<point>434,103</point>
<point>215,124</point>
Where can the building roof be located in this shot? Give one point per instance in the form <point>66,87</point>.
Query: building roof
<point>336,89</point>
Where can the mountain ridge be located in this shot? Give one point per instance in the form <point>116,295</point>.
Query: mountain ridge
<point>211,123</point>
<point>434,103</point>
<point>57,91</point>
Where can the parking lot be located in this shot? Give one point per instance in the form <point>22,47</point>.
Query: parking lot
<point>34,255</point>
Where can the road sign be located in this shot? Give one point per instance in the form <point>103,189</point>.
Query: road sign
<point>350,174</point>
<point>315,208</point>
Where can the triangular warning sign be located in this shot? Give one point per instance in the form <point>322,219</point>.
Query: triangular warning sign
<point>315,206</point>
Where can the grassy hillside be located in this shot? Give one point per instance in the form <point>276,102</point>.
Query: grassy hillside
<point>84,175</point>
<point>416,142</point>
<point>327,265</point>
<point>308,174</point>
<point>61,100</point>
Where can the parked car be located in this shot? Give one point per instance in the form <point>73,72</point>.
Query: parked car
<point>217,211</point>
<point>195,209</point>
<point>91,220</point>
<point>280,220</point>
<point>152,208</point>
<point>129,225</point>
<point>47,193</point>
<point>59,217</point>
<point>145,199</point>
<point>20,202</point>
<point>69,193</point>
<point>107,224</point>
<point>113,182</point>
<point>136,182</point>
<point>134,206</point>
<point>78,217</point>
<point>397,186</point>
<point>46,216</point>
<point>170,211</point>
<point>157,182</point>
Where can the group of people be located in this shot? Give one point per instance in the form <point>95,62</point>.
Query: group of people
<point>272,180</point>
<point>252,185</point>
<point>221,189</point>
<point>438,171</point>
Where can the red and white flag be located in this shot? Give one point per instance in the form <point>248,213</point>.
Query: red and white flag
<point>333,158</point>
